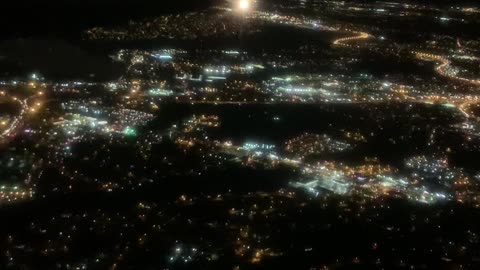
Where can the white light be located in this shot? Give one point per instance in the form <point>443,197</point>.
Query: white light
<point>244,5</point>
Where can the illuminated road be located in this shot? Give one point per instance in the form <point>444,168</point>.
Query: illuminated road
<point>17,120</point>
<point>442,67</point>
<point>465,107</point>
<point>345,41</point>
<point>443,63</point>
<point>357,102</point>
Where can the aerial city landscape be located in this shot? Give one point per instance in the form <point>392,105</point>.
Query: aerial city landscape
<point>252,134</point>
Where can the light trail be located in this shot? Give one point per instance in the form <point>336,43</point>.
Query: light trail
<point>17,120</point>
<point>443,66</point>
<point>465,107</point>
<point>358,36</point>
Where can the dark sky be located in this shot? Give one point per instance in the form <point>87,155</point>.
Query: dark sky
<point>60,17</point>
<point>41,35</point>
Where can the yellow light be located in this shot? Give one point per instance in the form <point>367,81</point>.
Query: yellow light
<point>244,5</point>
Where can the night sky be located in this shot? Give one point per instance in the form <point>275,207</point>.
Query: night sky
<point>66,17</point>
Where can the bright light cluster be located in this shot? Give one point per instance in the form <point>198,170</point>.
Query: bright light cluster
<point>244,5</point>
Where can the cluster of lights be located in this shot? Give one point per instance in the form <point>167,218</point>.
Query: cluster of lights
<point>258,146</point>
<point>13,194</point>
<point>160,92</point>
<point>444,66</point>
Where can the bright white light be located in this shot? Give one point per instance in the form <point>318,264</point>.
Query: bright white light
<point>244,5</point>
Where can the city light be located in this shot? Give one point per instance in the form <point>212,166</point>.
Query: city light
<point>444,66</point>
<point>266,133</point>
<point>128,131</point>
<point>344,41</point>
<point>244,5</point>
